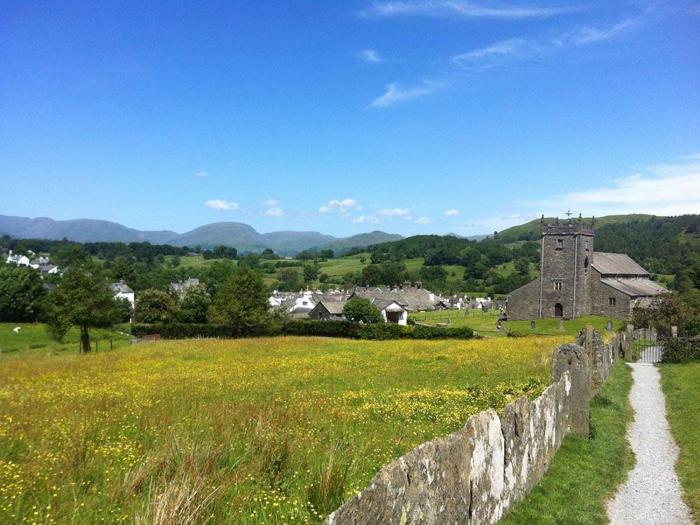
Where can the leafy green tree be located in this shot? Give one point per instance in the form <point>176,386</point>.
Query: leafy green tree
<point>21,291</point>
<point>433,276</point>
<point>154,306</point>
<point>522,266</point>
<point>83,299</point>
<point>310,272</point>
<point>242,303</point>
<point>289,279</point>
<point>124,310</point>
<point>372,275</point>
<point>69,254</point>
<point>194,307</point>
<point>358,310</point>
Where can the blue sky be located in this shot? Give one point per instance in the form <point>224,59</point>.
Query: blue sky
<point>416,116</point>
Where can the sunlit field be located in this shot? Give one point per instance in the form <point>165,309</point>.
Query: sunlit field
<point>485,323</point>
<point>277,430</point>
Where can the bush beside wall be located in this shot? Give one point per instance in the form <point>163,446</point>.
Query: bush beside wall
<point>680,351</point>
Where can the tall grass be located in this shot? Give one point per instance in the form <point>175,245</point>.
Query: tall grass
<point>276,430</point>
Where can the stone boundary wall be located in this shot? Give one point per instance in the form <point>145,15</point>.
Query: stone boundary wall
<point>474,475</point>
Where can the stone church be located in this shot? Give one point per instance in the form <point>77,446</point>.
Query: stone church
<point>575,280</point>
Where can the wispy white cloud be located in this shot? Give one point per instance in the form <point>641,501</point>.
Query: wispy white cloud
<point>497,53</point>
<point>366,219</point>
<point>424,220</point>
<point>395,94</point>
<point>451,213</point>
<point>394,212</point>
<point>591,35</point>
<point>221,204</point>
<point>271,202</point>
<point>275,211</point>
<point>202,174</point>
<point>370,56</point>
<point>504,48</point>
<point>462,9</point>
<point>341,206</point>
<point>669,189</point>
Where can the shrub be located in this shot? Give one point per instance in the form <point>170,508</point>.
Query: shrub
<point>680,351</point>
<point>347,329</point>
<point>359,309</point>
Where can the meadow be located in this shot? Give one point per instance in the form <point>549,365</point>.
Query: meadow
<point>271,430</point>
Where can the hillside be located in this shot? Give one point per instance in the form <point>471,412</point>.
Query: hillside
<point>530,231</point>
<point>79,230</point>
<point>239,235</point>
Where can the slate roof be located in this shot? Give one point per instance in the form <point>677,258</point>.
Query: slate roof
<point>121,287</point>
<point>411,298</point>
<point>616,264</point>
<point>334,307</point>
<point>636,287</point>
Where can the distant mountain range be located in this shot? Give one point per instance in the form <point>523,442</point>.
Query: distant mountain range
<point>239,235</point>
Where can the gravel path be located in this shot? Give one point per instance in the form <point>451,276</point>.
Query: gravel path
<point>651,494</point>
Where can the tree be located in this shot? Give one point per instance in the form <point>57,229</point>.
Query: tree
<point>194,307</point>
<point>124,310</point>
<point>83,299</point>
<point>522,266</point>
<point>21,291</point>
<point>289,279</point>
<point>433,276</point>
<point>242,303</point>
<point>70,254</point>
<point>358,310</point>
<point>310,272</point>
<point>372,275</point>
<point>154,306</point>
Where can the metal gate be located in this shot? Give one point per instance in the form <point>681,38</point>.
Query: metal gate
<point>650,353</point>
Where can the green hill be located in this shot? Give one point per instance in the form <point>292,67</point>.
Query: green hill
<point>530,231</point>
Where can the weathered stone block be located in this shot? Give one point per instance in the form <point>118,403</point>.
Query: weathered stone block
<point>572,358</point>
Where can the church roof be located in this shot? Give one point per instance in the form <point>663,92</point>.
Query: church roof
<point>636,287</point>
<point>616,264</point>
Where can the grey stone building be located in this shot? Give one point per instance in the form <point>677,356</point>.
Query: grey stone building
<point>575,280</point>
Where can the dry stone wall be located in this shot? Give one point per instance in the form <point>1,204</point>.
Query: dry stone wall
<point>475,474</point>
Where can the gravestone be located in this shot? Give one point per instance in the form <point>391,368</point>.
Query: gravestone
<point>674,331</point>
<point>532,324</point>
<point>609,325</point>
<point>561,325</point>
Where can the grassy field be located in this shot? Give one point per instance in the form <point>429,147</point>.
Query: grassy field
<point>585,472</point>
<point>248,431</point>
<point>681,385</point>
<point>34,339</point>
<point>485,323</point>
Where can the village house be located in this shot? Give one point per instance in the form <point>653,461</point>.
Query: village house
<point>17,260</point>
<point>181,288</point>
<point>122,291</point>
<point>413,298</point>
<point>575,280</point>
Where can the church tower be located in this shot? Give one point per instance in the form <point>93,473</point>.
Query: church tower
<point>565,269</point>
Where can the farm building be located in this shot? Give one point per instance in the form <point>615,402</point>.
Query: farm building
<point>575,280</point>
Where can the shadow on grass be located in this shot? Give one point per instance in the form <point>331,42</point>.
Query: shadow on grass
<point>585,472</point>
